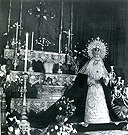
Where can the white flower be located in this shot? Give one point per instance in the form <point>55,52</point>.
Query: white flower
<point>52,130</point>
<point>56,127</point>
<point>11,119</point>
<point>3,68</point>
<point>65,119</point>
<point>17,131</point>
<point>48,133</point>
<point>8,79</point>
<point>74,131</point>
<point>10,129</point>
<point>2,74</point>
<point>60,108</point>
<point>7,114</point>
<point>17,121</point>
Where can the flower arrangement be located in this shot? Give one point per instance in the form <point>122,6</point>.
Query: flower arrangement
<point>65,106</point>
<point>12,124</point>
<point>56,129</point>
<point>119,94</point>
<point>2,75</point>
<point>65,109</point>
<point>6,80</point>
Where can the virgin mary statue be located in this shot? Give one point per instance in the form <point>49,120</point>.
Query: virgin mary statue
<point>90,92</point>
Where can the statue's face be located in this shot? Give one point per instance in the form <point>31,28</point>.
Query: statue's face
<point>96,52</point>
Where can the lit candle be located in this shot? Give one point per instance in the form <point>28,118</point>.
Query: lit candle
<point>26,53</point>
<point>32,41</point>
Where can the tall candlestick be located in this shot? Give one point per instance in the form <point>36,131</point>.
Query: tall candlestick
<point>71,24</point>
<point>61,28</point>
<point>9,21</point>
<point>69,36</point>
<point>16,34</point>
<point>26,53</point>
<point>32,41</point>
<point>21,10</point>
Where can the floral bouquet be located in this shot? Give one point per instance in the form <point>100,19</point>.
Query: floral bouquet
<point>56,129</point>
<point>66,109</point>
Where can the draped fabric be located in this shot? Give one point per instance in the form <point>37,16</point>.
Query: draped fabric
<point>76,92</point>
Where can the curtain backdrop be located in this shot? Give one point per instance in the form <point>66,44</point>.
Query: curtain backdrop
<point>91,18</point>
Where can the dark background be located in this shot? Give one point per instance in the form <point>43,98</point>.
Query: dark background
<point>107,19</point>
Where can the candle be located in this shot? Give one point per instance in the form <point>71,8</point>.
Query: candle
<point>16,33</point>
<point>123,82</point>
<point>61,28</point>
<point>126,91</point>
<point>127,127</point>
<point>119,80</point>
<point>112,68</point>
<point>115,90</point>
<point>69,35</point>
<point>26,53</point>
<point>59,43</point>
<point>24,99</point>
<point>71,23</point>
<point>32,41</point>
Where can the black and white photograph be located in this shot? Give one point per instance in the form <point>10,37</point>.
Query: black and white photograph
<point>64,67</point>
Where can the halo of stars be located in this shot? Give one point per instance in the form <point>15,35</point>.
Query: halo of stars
<point>97,43</point>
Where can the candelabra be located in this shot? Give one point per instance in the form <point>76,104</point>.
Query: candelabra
<point>24,125</point>
<point>3,112</point>
<point>119,100</point>
<point>15,43</point>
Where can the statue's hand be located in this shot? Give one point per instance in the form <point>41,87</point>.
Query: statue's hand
<point>105,79</point>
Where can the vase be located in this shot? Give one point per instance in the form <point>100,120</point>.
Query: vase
<point>48,66</point>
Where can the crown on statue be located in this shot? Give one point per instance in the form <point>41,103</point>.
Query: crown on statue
<point>97,43</point>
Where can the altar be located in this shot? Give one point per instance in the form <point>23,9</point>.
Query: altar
<point>48,59</point>
<point>35,105</point>
<point>50,87</point>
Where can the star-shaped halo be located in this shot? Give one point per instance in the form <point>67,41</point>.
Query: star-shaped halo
<point>97,43</point>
